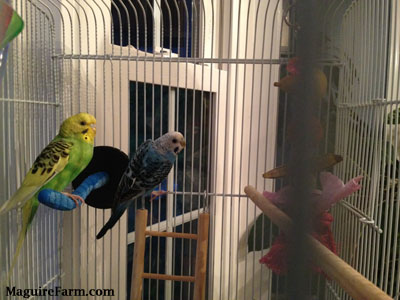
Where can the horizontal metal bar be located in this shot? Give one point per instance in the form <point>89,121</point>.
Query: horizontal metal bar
<point>208,194</point>
<point>178,235</point>
<point>154,58</point>
<point>162,226</point>
<point>162,58</point>
<point>332,290</point>
<point>363,218</point>
<point>168,277</point>
<point>375,102</point>
<point>29,101</point>
<point>43,286</point>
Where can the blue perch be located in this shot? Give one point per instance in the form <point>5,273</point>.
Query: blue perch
<point>59,201</point>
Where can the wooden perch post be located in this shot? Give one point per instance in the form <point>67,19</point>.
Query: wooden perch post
<point>138,254</point>
<point>201,257</point>
<point>355,284</point>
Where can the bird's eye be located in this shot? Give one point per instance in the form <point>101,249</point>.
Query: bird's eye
<point>83,123</point>
<point>174,141</point>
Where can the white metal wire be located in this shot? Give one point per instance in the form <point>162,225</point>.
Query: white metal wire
<point>30,114</point>
<point>368,221</point>
<point>205,68</point>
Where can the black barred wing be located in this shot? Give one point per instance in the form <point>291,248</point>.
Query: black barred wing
<point>51,160</point>
<point>146,170</point>
<point>126,188</point>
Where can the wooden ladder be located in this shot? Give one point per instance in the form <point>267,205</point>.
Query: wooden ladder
<point>138,274</point>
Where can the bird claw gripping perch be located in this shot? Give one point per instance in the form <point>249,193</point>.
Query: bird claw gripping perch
<point>61,201</point>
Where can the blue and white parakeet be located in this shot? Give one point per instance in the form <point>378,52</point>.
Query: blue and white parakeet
<point>151,163</point>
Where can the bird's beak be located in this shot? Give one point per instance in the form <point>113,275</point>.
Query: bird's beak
<point>183,143</point>
<point>93,126</point>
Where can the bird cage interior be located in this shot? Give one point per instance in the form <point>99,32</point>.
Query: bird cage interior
<point>157,149</point>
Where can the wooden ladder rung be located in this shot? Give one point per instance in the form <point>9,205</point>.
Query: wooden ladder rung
<point>172,234</point>
<point>168,277</point>
<point>138,274</point>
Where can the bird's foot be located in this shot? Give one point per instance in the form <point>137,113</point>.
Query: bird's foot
<point>76,198</point>
<point>156,194</point>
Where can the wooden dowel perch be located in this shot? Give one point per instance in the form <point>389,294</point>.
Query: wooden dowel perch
<point>355,284</point>
<point>138,254</point>
<point>177,235</point>
<point>168,277</point>
<point>201,257</point>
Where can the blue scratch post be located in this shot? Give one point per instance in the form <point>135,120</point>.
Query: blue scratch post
<point>59,201</point>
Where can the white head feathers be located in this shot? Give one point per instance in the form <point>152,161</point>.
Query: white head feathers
<point>170,142</point>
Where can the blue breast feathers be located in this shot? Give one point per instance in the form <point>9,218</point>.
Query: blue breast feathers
<point>153,156</point>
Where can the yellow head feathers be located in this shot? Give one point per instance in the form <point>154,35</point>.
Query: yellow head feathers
<point>79,126</point>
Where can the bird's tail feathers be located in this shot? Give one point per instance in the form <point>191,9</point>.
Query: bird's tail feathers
<point>28,212</point>
<point>20,243</point>
<point>115,216</point>
<point>19,198</point>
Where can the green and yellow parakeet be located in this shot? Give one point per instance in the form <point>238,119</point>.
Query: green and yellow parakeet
<point>56,166</point>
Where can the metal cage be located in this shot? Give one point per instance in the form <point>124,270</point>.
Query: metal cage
<point>206,68</point>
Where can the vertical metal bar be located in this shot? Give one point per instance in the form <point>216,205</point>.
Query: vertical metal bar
<point>170,199</point>
<point>169,257</point>
<point>277,6</point>
<point>214,158</point>
<point>235,110</point>
<point>158,29</point>
<point>257,133</point>
<point>185,122</point>
<point>396,205</point>
<point>245,55</point>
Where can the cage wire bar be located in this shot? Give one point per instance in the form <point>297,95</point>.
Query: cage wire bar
<point>366,136</point>
<point>30,109</point>
<point>205,68</point>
